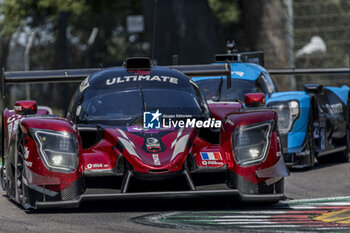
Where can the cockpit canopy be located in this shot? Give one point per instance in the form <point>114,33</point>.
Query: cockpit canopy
<point>119,96</point>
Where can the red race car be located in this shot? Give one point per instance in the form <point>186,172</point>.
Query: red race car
<point>138,131</point>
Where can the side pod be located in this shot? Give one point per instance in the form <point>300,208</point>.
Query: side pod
<point>256,162</point>
<point>52,160</point>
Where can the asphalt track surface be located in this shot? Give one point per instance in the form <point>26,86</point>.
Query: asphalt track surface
<point>330,180</point>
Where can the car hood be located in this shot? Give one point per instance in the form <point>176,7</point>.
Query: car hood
<point>284,96</point>
<point>154,148</point>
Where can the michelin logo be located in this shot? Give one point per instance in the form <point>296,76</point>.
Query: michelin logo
<point>151,120</point>
<point>135,78</point>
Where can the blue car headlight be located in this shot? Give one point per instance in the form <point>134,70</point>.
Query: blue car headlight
<point>287,113</point>
<point>251,142</point>
<point>58,149</point>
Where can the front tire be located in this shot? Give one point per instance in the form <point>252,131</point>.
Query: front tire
<point>3,174</point>
<point>20,187</point>
<point>310,160</point>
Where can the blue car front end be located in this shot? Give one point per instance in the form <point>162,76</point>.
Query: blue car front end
<point>296,125</point>
<point>293,109</point>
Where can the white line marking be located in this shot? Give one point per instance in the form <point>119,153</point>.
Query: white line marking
<point>316,199</point>
<point>256,212</point>
<point>237,221</point>
<point>333,204</point>
<point>303,207</point>
<point>276,226</point>
<point>246,216</point>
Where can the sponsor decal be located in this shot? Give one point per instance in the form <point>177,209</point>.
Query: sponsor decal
<point>140,72</point>
<point>137,128</point>
<point>29,164</point>
<point>211,155</point>
<point>13,118</point>
<point>136,78</point>
<point>239,73</point>
<point>228,121</point>
<point>85,84</point>
<point>210,162</point>
<point>12,124</point>
<point>18,108</point>
<point>9,129</point>
<point>335,108</point>
<point>211,158</point>
<point>156,160</point>
<point>152,144</point>
<point>26,152</point>
<point>78,110</point>
<point>96,165</point>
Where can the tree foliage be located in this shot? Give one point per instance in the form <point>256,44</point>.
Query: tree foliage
<point>34,13</point>
<point>225,11</point>
<point>80,17</point>
<point>63,29</point>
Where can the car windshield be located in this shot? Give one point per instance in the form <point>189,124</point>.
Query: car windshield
<point>216,89</point>
<point>127,106</point>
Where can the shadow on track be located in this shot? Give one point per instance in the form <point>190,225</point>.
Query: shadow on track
<point>157,205</point>
<point>317,166</point>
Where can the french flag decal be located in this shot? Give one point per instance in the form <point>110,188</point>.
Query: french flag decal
<point>211,156</point>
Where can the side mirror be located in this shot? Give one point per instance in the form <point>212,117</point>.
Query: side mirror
<point>313,88</point>
<point>254,100</point>
<point>26,107</point>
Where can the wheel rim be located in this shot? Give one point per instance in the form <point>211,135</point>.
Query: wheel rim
<point>3,174</point>
<point>312,155</point>
<point>19,181</point>
<point>348,141</point>
<point>311,146</point>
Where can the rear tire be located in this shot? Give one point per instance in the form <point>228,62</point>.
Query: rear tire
<point>342,156</point>
<point>339,157</point>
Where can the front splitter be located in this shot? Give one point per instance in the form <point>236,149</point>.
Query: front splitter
<point>160,195</point>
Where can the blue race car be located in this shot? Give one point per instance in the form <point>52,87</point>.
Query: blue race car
<point>313,123</point>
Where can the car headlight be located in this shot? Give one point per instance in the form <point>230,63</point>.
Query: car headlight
<point>58,149</point>
<point>250,142</point>
<point>287,113</point>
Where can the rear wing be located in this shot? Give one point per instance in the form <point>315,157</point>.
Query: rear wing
<point>43,76</point>
<point>206,70</point>
<point>78,75</point>
<point>256,57</point>
<point>310,71</point>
